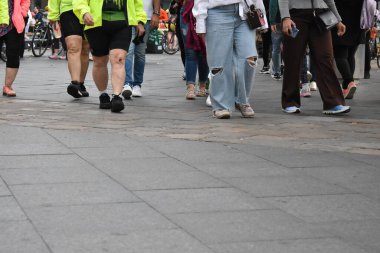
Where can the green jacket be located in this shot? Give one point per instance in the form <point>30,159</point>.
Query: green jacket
<point>4,15</point>
<point>56,7</point>
<point>135,11</point>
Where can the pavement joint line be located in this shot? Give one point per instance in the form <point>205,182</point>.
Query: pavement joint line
<point>86,204</point>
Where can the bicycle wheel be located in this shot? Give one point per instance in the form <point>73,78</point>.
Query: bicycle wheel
<point>40,41</point>
<point>3,54</point>
<point>170,43</point>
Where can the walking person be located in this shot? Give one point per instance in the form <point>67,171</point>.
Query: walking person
<point>135,61</point>
<point>346,46</point>
<point>231,53</point>
<point>12,25</point>
<point>299,14</point>
<point>77,46</point>
<point>108,30</point>
<point>277,38</point>
<point>266,36</point>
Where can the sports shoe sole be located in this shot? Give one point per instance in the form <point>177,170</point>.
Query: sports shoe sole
<point>336,112</point>
<point>74,91</point>
<point>127,94</point>
<point>350,94</point>
<point>291,112</point>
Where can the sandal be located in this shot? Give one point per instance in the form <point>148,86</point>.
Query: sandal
<point>8,91</point>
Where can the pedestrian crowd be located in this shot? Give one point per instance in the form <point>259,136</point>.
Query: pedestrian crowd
<point>217,39</point>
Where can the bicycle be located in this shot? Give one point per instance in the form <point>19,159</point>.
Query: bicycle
<point>169,38</point>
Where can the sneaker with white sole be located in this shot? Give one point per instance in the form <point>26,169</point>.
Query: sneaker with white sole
<point>136,91</point>
<point>245,110</point>
<point>265,70</point>
<point>313,86</point>
<point>291,109</point>
<point>127,92</point>
<point>350,91</point>
<point>208,101</point>
<point>222,114</point>
<point>339,109</point>
<point>305,91</point>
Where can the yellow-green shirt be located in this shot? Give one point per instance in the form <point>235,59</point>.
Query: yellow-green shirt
<point>56,7</point>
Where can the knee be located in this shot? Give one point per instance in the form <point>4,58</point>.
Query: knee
<point>73,48</point>
<point>216,71</point>
<point>252,61</point>
<point>117,59</point>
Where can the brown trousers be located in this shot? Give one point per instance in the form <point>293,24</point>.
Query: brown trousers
<point>321,49</point>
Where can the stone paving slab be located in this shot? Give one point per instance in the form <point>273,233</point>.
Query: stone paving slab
<point>10,210</point>
<point>3,189</point>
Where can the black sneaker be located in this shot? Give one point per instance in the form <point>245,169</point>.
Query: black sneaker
<point>117,104</point>
<point>265,70</point>
<point>105,101</point>
<point>83,90</point>
<point>276,76</point>
<point>74,89</point>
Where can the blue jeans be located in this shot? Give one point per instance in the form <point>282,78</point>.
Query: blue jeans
<point>230,44</point>
<point>135,61</point>
<point>277,38</point>
<point>193,60</point>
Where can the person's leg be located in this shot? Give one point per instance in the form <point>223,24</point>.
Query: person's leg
<point>12,40</point>
<point>85,51</point>
<point>203,71</point>
<point>305,85</point>
<point>267,42</point>
<point>100,72</point>
<point>117,60</point>
<point>351,59</point>
<point>328,84</point>
<point>74,48</point>
<point>277,38</point>
<point>293,52</point>
<point>129,61</point>
<point>367,66</point>
<point>219,41</point>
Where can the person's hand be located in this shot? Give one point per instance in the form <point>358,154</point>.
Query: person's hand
<point>273,28</point>
<point>287,24</point>
<point>341,29</point>
<point>140,29</point>
<point>87,19</point>
<point>155,20</point>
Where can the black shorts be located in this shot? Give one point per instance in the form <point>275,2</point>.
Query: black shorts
<point>70,24</point>
<point>111,35</point>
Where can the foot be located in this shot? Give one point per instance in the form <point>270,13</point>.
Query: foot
<point>74,89</point>
<point>309,75</point>
<point>245,110</point>
<point>339,109</point>
<point>117,104</point>
<point>349,92</point>
<point>136,91</point>
<point>313,86</point>
<point>190,93</point>
<point>305,91</point>
<point>276,76</point>
<point>291,109</point>
<point>54,57</point>
<point>127,92</point>
<point>265,70</point>
<point>83,90</point>
<point>105,101</point>
<point>8,91</point>
<point>202,92</point>
<point>208,101</point>
<point>222,114</point>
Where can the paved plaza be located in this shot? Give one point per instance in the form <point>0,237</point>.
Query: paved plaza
<point>164,176</point>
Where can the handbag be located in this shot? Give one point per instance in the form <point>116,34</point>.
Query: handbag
<point>255,17</point>
<point>325,20</point>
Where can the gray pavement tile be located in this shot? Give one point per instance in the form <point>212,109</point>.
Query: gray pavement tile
<point>368,189</point>
<point>326,245</point>
<point>71,194</point>
<point>365,233</point>
<point>162,180</point>
<point>4,189</point>
<point>52,175</point>
<point>32,149</point>
<point>243,169</point>
<point>41,161</point>
<point>116,152</point>
<point>327,208</point>
<point>127,166</point>
<point>245,226</point>
<point>20,237</point>
<point>105,219</point>
<point>24,135</point>
<point>276,186</point>
<point>150,241</point>
<point>85,138</point>
<point>10,210</point>
<point>201,200</point>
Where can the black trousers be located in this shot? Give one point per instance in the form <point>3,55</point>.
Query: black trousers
<point>345,62</point>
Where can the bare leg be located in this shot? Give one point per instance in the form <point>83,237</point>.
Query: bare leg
<point>74,48</point>
<point>84,60</point>
<point>10,76</point>
<point>117,59</point>
<point>100,72</point>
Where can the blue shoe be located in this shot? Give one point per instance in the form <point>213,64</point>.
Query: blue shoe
<point>292,109</point>
<point>337,110</point>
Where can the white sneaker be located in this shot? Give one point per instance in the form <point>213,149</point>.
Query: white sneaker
<point>313,86</point>
<point>305,91</point>
<point>208,101</point>
<point>127,92</point>
<point>136,91</point>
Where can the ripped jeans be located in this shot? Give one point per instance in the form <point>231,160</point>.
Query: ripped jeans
<point>231,56</point>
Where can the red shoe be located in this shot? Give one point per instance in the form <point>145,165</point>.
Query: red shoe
<point>349,92</point>
<point>8,91</point>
